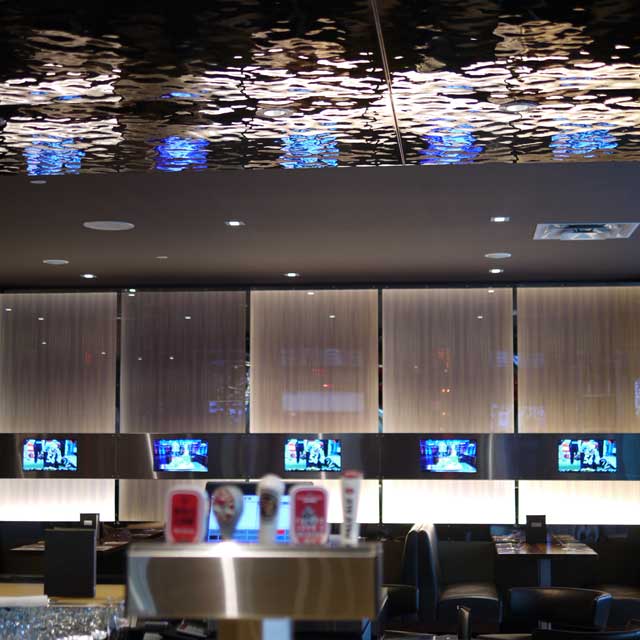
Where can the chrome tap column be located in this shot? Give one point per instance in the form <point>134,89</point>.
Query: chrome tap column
<point>245,587</point>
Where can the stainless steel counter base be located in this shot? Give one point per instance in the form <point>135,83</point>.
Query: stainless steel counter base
<point>231,581</point>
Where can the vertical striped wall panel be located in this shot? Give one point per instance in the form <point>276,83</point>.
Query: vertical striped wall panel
<point>314,361</point>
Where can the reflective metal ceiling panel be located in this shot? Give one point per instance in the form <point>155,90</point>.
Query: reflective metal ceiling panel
<point>115,86</point>
<point>226,84</point>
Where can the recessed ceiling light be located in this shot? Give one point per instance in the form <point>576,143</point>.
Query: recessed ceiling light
<point>131,295</point>
<point>131,290</point>
<point>311,293</point>
<point>103,353</point>
<point>38,181</point>
<point>291,274</point>
<point>56,262</point>
<point>496,270</point>
<point>89,276</point>
<point>41,318</point>
<point>273,113</point>
<point>187,317</point>
<point>162,257</point>
<point>497,256</point>
<point>44,342</point>
<point>234,223</point>
<point>108,225</point>
<point>479,317</point>
<point>8,309</point>
<point>491,290</point>
<point>500,219</point>
<point>332,316</point>
<point>171,358</point>
<point>515,106</point>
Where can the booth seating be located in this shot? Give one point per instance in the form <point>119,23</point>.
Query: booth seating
<point>470,582</point>
<point>575,610</point>
<point>632,633</point>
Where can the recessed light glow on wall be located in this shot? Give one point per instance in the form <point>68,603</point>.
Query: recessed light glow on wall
<point>497,256</point>
<point>291,274</point>
<point>500,219</point>
<point>89,276</point>
<point>108,225</point>
<point>495,271</point>
<point>56,262</point>
<point>234,223</point>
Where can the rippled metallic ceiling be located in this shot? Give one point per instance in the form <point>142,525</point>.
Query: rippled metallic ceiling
<point>112,86</point>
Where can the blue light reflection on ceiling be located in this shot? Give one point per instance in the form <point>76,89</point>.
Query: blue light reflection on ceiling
<point>176,154</point>
<point>450,145</point>
<point>309,151</point>
<point>587,141</point>
<point>50,157</point>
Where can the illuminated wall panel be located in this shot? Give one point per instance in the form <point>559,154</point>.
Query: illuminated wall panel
<point>183,362</point>
<point>314,361</point>
<point>144,499</point>
<point>448,360</point>
<point>57,362</point>
<point>57,499</point>
<point>579,359</point>
<point>580,502</point>
<point>449,501</point>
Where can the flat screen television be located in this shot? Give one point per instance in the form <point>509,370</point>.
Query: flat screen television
<point>317,454</point>
<point>248,527</point>
<point>181,455</point>
<point>587,456</point>
<point>54,454</point>
<point>448,456</point>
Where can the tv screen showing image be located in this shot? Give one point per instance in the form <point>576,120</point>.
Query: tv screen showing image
<point>317,454</point>
<point>587,456</point>
<point>448,456</point>
<point>181,455</point>
<point>56,454</point>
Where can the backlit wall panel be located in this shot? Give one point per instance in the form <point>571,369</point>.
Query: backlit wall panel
<point>145,499</point>
<point>57,362</point>
<point>314,361</point>
<point>575,502</point>
<point>183,362</point>
<point>449,501</point>
<point>57,499</point>
<point>579,359</point>
<point>448,360</point>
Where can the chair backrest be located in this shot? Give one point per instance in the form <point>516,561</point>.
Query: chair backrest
<point>429,573</point>
<point>563,606</point>
<point>557,634</point>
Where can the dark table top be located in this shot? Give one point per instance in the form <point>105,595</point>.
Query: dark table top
<point>556,545</point>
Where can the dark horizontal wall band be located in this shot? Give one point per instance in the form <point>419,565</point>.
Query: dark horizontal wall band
<point>378,456</point>
<point>96,455</point>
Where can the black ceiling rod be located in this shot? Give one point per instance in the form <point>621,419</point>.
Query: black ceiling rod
<point>373,4</point>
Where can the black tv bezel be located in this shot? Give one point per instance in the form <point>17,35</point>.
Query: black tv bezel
<point>56,472</point>
<point>452,474</point>
<point>299,471</point>
<point>586,474</point>
<point>185,471</point>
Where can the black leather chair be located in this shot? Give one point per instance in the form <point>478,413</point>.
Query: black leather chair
<point>402,596</point>
<point>438,602</point>
<point>556,634</point>
<point>575,610</point>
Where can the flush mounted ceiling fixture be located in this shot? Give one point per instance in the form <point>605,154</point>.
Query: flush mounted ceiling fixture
<point>234,223</point>
<point>56,262</point>
<point>497,256</point>
<point>500,219</point>
<point>108,225</point>
<point>291,274</point>
<point>585,230</point>
<point>89,276</point>
<point>496,271</point>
